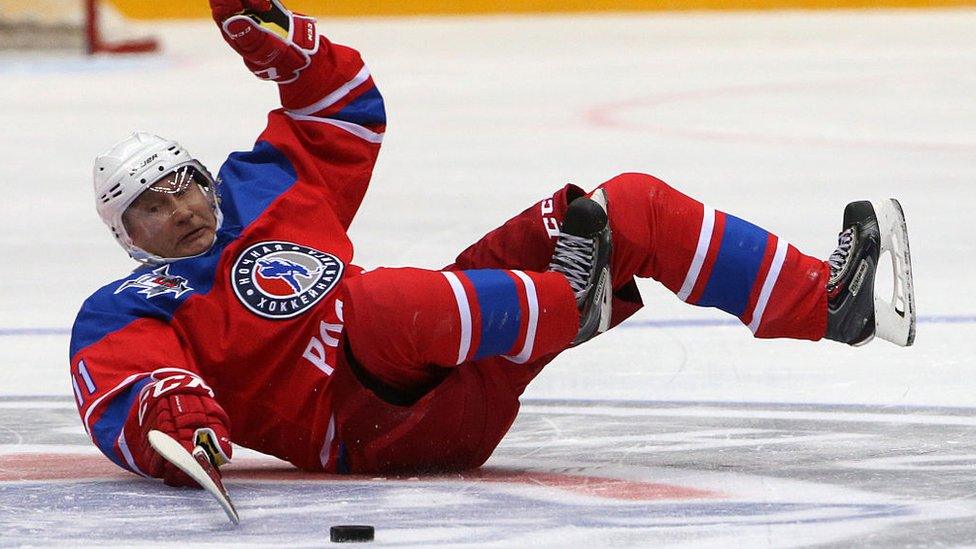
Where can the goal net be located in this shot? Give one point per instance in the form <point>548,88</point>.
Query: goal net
<point>91,26</point>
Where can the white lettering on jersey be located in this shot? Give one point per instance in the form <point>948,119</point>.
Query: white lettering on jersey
<point>549,222</point>
<point>328,336</point>
<point>166,385</point>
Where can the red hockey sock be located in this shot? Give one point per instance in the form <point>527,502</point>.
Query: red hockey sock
<point>713,259</point>
<point>403,325</point>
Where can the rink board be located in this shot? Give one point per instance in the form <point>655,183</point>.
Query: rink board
<point>189,9</point>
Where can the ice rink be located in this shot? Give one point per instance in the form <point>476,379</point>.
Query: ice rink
<point>676,429</point>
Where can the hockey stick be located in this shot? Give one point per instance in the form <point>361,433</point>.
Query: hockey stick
<point>197,466</point>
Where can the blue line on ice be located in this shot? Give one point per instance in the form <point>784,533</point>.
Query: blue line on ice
<point>663,323</point>
<point>709,322</point>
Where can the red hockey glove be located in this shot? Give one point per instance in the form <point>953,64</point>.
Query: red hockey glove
<point>275,43</point>
<point>183,407</point>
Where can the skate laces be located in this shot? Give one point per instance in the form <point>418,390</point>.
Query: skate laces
<point>838,259</point>
<point>573,258</point>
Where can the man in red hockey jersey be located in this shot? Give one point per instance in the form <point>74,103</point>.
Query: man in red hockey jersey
<point>249,323</point>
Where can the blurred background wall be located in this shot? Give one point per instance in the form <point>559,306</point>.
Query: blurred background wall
<point>183,9</point>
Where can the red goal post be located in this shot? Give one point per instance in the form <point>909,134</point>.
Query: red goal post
<point>90,26</point>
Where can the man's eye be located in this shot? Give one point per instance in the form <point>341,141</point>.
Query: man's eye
<point>153,209</point>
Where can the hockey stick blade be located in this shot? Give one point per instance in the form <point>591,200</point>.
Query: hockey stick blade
<point>197,466</point>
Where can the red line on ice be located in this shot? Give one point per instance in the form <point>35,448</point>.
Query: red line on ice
<point>59,466</point>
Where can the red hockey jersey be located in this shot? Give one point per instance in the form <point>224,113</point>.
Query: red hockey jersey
<point>257,316</point>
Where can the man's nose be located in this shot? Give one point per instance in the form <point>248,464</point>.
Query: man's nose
<point>182,212</point>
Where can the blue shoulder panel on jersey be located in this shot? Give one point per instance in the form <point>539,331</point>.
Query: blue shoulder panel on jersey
<point>149,292</point>
<point>365,110</point>
<point>250,182</point>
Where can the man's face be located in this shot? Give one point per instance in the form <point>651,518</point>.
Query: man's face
<point>172,218</point>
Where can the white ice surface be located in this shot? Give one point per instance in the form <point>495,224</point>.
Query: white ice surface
<point>780,118</point>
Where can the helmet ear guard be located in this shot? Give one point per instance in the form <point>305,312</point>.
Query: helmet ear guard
<point>130,167</point>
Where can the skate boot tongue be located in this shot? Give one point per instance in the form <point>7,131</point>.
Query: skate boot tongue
<point>585,218</point>
<point>582,255</point>
<point>574,256</point>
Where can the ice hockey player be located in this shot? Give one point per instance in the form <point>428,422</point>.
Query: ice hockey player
<point>249,322</point>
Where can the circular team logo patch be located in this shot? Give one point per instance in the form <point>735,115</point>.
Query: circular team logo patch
<point>278,279</point>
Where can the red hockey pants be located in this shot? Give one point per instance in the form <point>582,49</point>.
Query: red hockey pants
<point>471,338</point>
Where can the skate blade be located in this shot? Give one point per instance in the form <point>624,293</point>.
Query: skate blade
<point>605,304</point>
<point>600,197</point>
<point>894,318</point>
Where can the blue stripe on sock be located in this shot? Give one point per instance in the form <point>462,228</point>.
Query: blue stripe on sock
<point>736,267</point>
<point>500,312</point>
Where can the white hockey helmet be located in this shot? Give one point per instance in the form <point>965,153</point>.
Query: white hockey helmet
<point>130,167</point>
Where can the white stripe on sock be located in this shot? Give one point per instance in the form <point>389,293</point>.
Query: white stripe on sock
<point>767,287</point>
<point>704,240</point>
<point>533,301</point>
<point>464,310</point>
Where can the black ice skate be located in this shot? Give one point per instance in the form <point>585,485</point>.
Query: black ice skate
<point>855,314</point>
<point>583,255</point>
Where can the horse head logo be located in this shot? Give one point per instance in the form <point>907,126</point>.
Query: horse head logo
<point>285,270</point>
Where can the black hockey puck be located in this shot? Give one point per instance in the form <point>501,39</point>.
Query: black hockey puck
<point>351,532</point>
